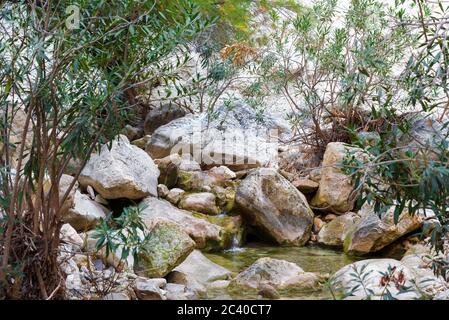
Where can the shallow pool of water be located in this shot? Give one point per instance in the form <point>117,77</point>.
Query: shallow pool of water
<point>311,258</point>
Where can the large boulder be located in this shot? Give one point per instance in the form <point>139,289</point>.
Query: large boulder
<point>85,212</point>
<point>162,115</point>
<point>203,202</point>
<point>279,274</point>
<point>275,207</point>
<point>334,232</point>
<point>121,171</point>
<point>168,245</point>
<point>236,137</point>
<point>335,187</point>
<point>373,233</point>
<point>197,273</point>
<point>205,234</point>
<point>375,279</point>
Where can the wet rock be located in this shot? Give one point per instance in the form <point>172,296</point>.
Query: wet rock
<point>278,274</point>
<point>124,171</point>
<point>200,268</point>
<point>268,292</point>
<point>197,273</point>
<point>275,207</point>
<point>233,229</point>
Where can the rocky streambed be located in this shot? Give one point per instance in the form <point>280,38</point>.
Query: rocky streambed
<point>312,258</point>
<point>225,222</point>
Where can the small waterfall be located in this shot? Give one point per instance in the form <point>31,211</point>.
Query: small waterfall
<point>234,245</point>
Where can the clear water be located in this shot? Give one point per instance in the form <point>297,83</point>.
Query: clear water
<point>311,258</point>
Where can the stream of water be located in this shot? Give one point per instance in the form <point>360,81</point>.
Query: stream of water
<point>311,258</point>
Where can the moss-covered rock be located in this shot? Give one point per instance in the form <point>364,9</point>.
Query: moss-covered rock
<point>167,247</point>
<point>233,231</point>
<point>142,142</point>
<point>197,181</point>
<point>225,197</point>
<point>207,235</point>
